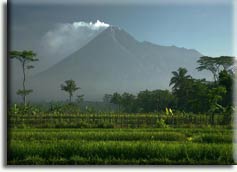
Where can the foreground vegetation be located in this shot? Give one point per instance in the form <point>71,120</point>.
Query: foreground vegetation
<point>66,135</point>
<point>192,124</point>
<point>116,120</point>
<point>121,146</point>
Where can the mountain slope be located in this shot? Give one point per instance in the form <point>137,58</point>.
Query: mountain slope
<point>114,61</point>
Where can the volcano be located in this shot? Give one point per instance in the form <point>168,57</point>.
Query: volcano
<point>114,61</point>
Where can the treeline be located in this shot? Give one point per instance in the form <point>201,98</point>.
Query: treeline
<point>188,94</point>
<point>144,101</point>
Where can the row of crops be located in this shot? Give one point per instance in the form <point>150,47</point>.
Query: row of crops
<point>121,146</point>
<point>111,120</point>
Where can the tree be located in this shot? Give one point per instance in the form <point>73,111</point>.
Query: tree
<point>107,98</point>
<point>225,61</point>
<point>215,95</point>
<point>128,102</point>
<point>24,57</point>
<point>181,89</point>
<point>70,87</point>
<point>226,80</point>
<point>179,78</point>
<point>144,101</point>
<point>214,65</point>
<point>163,99</point>
<point>208,63</point>
<point>197,100</point>
<point>80,98</point>
<point>153,101</point>
<point>116,99</point>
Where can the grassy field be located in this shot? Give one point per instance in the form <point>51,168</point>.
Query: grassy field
<point>120,146</point>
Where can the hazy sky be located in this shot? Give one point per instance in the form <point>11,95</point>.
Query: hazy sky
<point>204,27</point>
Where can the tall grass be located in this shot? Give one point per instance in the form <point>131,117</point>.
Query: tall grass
<point>137,152</point>
<point>120,146</point>
<point>171,134</point>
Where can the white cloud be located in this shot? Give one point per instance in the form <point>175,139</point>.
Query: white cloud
<point>94,26</point>
<point>66,38</point>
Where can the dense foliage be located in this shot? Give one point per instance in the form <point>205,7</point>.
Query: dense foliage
<point>188,94</point>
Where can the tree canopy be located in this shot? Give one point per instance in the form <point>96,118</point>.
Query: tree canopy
<point>70,87</point>
<point>215,65</point>
<point>24,57</point>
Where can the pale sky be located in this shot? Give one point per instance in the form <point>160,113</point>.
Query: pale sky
<point>206,27</point>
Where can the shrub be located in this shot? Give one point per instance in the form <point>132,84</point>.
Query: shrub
<point>105,124</point>
<point>161,124</point>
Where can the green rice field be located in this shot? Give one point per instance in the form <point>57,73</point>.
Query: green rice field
<point>117,146</point>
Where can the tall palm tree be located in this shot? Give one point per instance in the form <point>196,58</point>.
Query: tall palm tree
<point>179,78</point>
